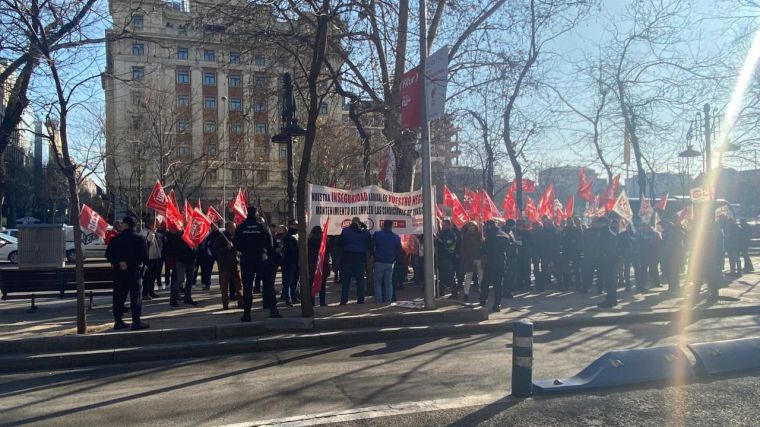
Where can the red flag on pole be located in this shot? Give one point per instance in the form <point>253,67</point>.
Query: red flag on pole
<point>198,227</point>
<point>89,220</point>
<point>528,185</point>
<point>476,210</point>
<point>510,205</point>
<point>174,220</point>
<point>663,202</point>
<point>530,210</point>
<point>188,209</point>
<point>489,207</point>
<point>584,187</point>
<point>569,207</point>
<point>609,194</point>
<point>239,205</point>
<point>546,202</point>
<point>173,197</point>
<point>157,199</point>
<point>213,215</point>
<point>469,199</point>
<point>448,197</point>
<point>319,273</point>
<point>458,215</point>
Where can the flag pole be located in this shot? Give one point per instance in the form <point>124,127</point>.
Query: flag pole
<point>427,196</point>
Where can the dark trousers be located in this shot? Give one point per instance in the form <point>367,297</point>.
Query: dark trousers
<point>734,262</point>
<point>322,289</point>
<point>152,276</point>
<point>606,278</point>
<point>588,268</point>
<point>206,266</point>
<point>492,276</point>
<point>571,271</point>
<point>290,282</point>
<point>353,270</point>
<point>625,274</point>
<point>748,267</point>
<point>183,278</point>
<point>672,272</point>
<point>523,272</point>
<point>124,283</point>
<point>250,270</point>
<point>446,274</point>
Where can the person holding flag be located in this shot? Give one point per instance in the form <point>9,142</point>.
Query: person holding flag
<point>226,258</point>
<point>155,242</point>
<point>317,242</point>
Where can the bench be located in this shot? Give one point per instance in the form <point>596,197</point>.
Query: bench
<point>48,281</point>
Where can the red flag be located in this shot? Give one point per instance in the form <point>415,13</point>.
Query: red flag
<point>530,210</point>
<point>610,192</point>
<point>546,202</point>
<point>528,186</point>
<point>476,211</point>
<point>174,220</point>
<point>448,197</point>
<point>489,209</point>
<point>458,214</point>
<point>411,99</point>
<point>316,285</point>
<point>569,207</point>
<point>469,199</point>
<point>663,202</point>
<point>584,187</point>
<point>213,215</point>
<point>157,199</point>
<point>173,198</point>
<point>89,220</point>
<point>239,205</point>
<point>509,204</point>
<point>188,209</point>
<point>198,227</point>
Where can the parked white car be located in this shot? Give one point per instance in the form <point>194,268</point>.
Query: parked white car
<point>8,248</point>
<point>93,245</point>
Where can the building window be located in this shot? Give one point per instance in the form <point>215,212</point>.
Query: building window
<point>261,177</point>
<point>212,175</point>
<point>138,22</point>
<point>209,55</point>
<point>209,103</point>
<point>211,150</point>
<point>323,108</point>
<point>209,126</point>
<point>283,152</point>
<point>260,60</point>
<point>135,123</point>
<point>136,99</point>
<point>235,80</point>
<point>261,128</point>
<point>236,104</point>
<point>284,176</point>
<point>183,101</point>
<point>183,77</point>
<point>260,82</point>
<point>183,150</point>
<point>138,49</point>
<point>209,79</point>
<point>182,53</point>
<point>237,175</point>
<point>260,106</point>
<point>183,126</point>
<point>234,152</point>
<point>234,57</point>
<point>138,73</point>
<point>236,128</point>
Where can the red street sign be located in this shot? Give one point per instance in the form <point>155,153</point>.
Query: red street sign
<point>411,109</point>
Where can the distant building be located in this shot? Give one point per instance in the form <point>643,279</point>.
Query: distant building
<point>658,184</point>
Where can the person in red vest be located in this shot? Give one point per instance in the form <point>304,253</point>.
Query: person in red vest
<point>113,231</point>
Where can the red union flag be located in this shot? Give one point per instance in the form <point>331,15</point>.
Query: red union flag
<point>584,187</point>
<point>157,199</point>
<point>489,209</point>
<point>319,273</point>
<point>530,210</point>
<point>174,220</point>
<point>198,227</point>
<point>458,214</point>
<point>663,202</point>
<point>623,208</point>
<point>448,197</point>
<point>213,215</point>
<point>528,186</point>
<point>469,197</point>
<point>570,207</point>
<point>411,107</point>
<point>240,205</point>
<point>89,220</point>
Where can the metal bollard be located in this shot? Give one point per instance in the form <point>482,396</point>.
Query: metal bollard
<point>522,358</point>
<point>33,308</point>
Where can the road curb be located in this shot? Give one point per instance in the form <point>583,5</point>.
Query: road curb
<point>237,345</point>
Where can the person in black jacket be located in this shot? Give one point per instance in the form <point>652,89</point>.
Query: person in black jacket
<point>746,237</point>
<point>608,257</point>
<point>127,252</point>
<point>290,270</point>
<point>185,277</point>
<point>494,249</point>
<point>253,240</point>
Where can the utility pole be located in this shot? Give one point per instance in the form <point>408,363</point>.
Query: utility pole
<point>427,196</point>
<point>708,152</point>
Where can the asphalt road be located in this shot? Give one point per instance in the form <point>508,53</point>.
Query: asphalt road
<point>264,386</point>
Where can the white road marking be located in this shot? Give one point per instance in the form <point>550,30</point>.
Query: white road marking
<point>376,411</point>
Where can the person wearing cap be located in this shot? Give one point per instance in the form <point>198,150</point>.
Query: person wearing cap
<point>127,253</point>
<point>253,240</point>
<point>355,241</point>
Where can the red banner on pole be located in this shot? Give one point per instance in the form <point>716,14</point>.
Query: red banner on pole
<point>213,215</point>
<point>157,199</point>
<point>198,227</point>
<point>89,220</point>
<point>411,100</point>
<point>174,219</point>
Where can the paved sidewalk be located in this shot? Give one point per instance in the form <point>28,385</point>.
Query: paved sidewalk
<point>55,317</point>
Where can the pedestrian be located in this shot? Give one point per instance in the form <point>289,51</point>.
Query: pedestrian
<point>523,244</point>
<point>155,242</point>
<point>315,242</point>
<point>446,245</point>
<point>509,277</point>
<point>184,277</point>
<point>733,246</point>
<point>355,240</point>
<point>672,255</point>
<point>495,247</point>
<point>127,252</point>
<point>386,248</point>
<point>276,260</point>
<point>470,256</point>
<point>649,243</point>
<point>607,260</point>
<point>745,237</point>
<point>206,259</point>
<point>570,242</point>
<point>226,260</point>
<point>253,240</point>
<point>290,272</point>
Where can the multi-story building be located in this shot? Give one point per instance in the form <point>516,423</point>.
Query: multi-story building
<point>193,106</point>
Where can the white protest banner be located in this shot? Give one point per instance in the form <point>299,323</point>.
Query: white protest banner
<point>371,204</point>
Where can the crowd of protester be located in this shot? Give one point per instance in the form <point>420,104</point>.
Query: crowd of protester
<point>509,257</point>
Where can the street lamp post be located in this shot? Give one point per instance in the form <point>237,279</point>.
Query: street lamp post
<point>289,129</point>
